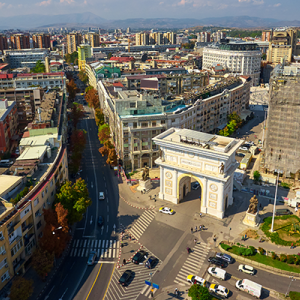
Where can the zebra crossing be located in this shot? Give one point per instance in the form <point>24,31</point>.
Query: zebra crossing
<point>142,223</point>
<point>104,248</point>
<point>193,263</point>
<point>136,287</point>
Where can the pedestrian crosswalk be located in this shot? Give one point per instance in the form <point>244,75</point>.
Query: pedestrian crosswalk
<point>105,248</point>
<point>193,263</point>
<point>137,285</point>
<point>142,223</point>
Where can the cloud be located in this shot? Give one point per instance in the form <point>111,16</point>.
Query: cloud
<point>277,4</point>
<point>182,2</point>
<point>161,3</point>
<point>67,1</point>
<point>44,3</point>
<point>244,0</point>
<point>2,4</point>
<point>255,2</point>
<point>85,2</point>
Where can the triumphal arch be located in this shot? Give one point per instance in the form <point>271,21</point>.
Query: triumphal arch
<point>209,159</point>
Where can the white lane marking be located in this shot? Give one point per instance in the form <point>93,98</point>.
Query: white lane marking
<point>107,229</point>
<point>102,228</point>
<point>63,294</point>
<point>78,283</point>
<point>107,218</point>
<point>107,208</point>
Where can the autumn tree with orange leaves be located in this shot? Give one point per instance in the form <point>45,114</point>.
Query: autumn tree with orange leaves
<point>92,98</point>
<point>21,289</point>
<point>72,90</point>
<point>77,113</point>
<point>78,142</point>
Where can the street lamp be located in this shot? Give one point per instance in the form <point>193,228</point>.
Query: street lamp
<point>58,228</point>
<point>292,279</point>
<point>274,207</point>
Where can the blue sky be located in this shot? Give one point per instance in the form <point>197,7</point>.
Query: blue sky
<point>124,9</point>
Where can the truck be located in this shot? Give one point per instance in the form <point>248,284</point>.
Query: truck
<point>294,202</point>
<point>249,287</point>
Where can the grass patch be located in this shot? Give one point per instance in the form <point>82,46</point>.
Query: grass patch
<point>287,230</point>
<point>294,295</point>
<point>266,260</point>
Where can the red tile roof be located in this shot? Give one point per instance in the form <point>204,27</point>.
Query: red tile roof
<point>122,59</point>
<point>118,84</point>
<point>2,66</point>
<point>5,76</point>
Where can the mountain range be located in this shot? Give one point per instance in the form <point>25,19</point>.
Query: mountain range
<point>87,19</point>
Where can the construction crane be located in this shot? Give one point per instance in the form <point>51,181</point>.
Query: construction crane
<point>129,41</point>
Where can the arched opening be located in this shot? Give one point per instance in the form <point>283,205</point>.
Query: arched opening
<point>189,188</point>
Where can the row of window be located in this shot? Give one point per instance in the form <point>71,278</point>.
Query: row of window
<point>16,248</point>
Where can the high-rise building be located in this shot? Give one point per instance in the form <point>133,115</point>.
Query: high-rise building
<point>73,40</point>
<point>128,30</point>
<point>266,35</point>
<point>282,151</point>
<point>20,41</point>
<point>84,52</point>
<point>203,37</point>
<point>142,39</point>
<point>41,40</point>
<point>93,39</point>
<point>3,43</point>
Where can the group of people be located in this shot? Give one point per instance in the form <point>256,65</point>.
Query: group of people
<point>201,227</point>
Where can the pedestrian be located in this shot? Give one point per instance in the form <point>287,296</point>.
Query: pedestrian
<point>292,246</point>
<point>129,237</point>
<point>191,229</point>
<point>195,228</point>
<point>245,237</point>
<point>200,215</point>
<point>200,228</point>
<point>124,261</point>
<point>260,206</point>
<point>195,241</point>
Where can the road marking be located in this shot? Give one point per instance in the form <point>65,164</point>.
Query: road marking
<point>99,244</point>
<point>87,253</point>
<point>63,294</point>
<point>106,262</point>
<point>102,228</point>
<point>89,242</point>
<point>107,218</point>
<point>103,178</point>
<point>78,283</point>
<point>82,252</point>
<point>92,244</point>
<point>75,252</point>
<point>72,265</point>
<point>109,281</point>
<point>49,293</point>
<point>105,184</point>
<point>107,208</point>
<point>103,244</point>
<point>107,229</point>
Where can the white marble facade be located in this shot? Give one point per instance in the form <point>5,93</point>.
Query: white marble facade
<point>187,155</point>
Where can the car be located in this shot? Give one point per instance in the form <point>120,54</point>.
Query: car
<point>283,211</point>
<point>219,290</point>
<point>17,151</point>
<point>125,278</point>
<point>243,148</point>
<point>225,257</point>
<point>240,154</point>
<point>139,256</point>
<point>196,280</point>
<point>234,188</point>
<point>92,258</point>
<point>218,262</point>
<point>195,185</point>
<point>151,262</point>
<point>101,196</point>
<point>100,221</point>
<point>166,210</point>
<point>247,269</point>
<point>250,143</point>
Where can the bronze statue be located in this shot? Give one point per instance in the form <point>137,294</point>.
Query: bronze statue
<point>222,167</point>
<point>145,174</point>
<point>253,205</point>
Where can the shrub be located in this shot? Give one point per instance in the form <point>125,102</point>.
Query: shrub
<point>290,259</point>
<point>256,175</point>
<point>294,295</point>
<point>239,244</point>
<point>225,247</point>
<point>246,251</point>
<point>297,261</point>
<point>274,255</point>
<point>283,257</point>
<point>261,250</point>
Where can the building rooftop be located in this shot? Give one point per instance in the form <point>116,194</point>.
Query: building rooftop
<point>5,109</point>
<point>33,153</point>
<point>6,181</point>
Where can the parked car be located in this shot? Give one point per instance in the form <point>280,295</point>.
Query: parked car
<point>218,273</point>
<point>219,290</point>
<point>218,262</point>
<point>243,148</point>
<point>240,154</point>
<point>92,258</point>
<point>196,280</point>
<point>125,278</point>
<point>166,210</point>
<point>100,221</point>
<point>151,262</point>
<point>101,196</point>
<point>225,257</point>
<point>283,211</point>
<point>246,269</point>
<point>195,185</point>
<point>139,256</point>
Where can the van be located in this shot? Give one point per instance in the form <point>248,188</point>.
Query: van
<point>249,287</point>
<point>217,272</point>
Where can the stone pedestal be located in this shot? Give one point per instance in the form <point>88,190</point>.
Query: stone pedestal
<point>252,220</point>
<point>144,185</point>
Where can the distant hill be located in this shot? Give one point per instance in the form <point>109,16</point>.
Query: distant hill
<point>87,19</point>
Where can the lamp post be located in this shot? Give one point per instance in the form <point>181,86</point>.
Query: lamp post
<point>274,207</point>
<point>58,228</point>
<point>292,279</point>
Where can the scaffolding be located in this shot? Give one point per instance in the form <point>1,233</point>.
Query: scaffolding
<point>282,148</point>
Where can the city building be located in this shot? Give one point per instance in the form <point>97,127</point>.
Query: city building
<point>236,57</point>
<point>41,40</point>
<point>8,124</point>
<point>3,43</point>
<point>203,37</point>
<point>26,57</point>
<point>73,41</point>
<point>282,45</point>
<point>281,148</point>
<point>208,159</point>
<point>84,52</point>
<point>20,41</point>
<point>93,39</point>
<point>267,35</point>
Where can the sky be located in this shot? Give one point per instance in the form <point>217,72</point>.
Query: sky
<point>125,9</point>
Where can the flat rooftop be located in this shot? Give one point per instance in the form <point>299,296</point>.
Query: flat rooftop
<point>6,181</point>
<point>32,153</point>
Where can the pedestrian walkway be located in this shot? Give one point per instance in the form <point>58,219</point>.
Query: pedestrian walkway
<point>146,291</point>
<point>142,223</point>
<point>136,286</point>
<point>106,249</point>
<point>193,263</point>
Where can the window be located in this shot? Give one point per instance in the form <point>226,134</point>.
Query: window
<point>43,194</point>
<point>3,263</point>
<point>37,213</point>
<point>144,125</point>
<point>132,105</point>
<point>5,276</point>
<point>153,124</point>
<point>125,124</point>
<point>173,120</point>
<point>16,248</point>
<point>38,225</point>
<point>134,125</point>
<point>46,190</point>
<point>162,122</point>
<point>36,201</point>
<point>1,235</point>
<point>51,183</point>
<point>2,249</point>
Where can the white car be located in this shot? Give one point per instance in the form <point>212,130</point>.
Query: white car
<point>101,196</point>
<point>246,269</point>
<point>196,280</point>
<point>243,148</point>
<point>166,210</point>
<point>219,290</point>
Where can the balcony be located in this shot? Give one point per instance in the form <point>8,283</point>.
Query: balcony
<point>17,238</point>
<point>26,228</point>
<point>19,265</point>
<point>28,238</point>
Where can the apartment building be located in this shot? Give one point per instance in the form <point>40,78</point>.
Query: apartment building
<point>236,58</point>
<point>203,37</point>
<point>73,41</point>
<point>267,35</point>
<point>43,161</point>
<point>155,38</point>
<point>84,52</point>
<point>136,118</point>
<point>26,57</point>
<point>41,40</point>
<point>8,124</point>
<point>20,41</point>
<point>93,39</point>
<point>3,43</point>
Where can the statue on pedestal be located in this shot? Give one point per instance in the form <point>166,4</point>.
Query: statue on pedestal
<point>253,205</point>
<point>145,174</point>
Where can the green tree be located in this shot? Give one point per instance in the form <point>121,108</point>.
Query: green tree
<point>256,175</point>
<point>264,56</point>
<point>42,262</point>
<point>83,77</point>
<point>99,117</point>
<point>103,133</point>
<point>74,198</point>
<point>72,58</point>
<point>38,68</point>
<point>88,88</point>
<point>231,126</point>
<point>109,55</point>
<point>77,113</point>
<point>21,289</point>
<point>235,117</point>
<point>198,292</point>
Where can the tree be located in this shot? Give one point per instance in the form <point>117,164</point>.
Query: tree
<point>107,146</point>
<point>72,58</point>
<point>197,292</point>
<point>99,117</point>
<point>21,289</point>
<point>42,262</point>
<point>74,198</point>
<point>264,56</point>
<point>62,219</point>
<point>112,158</point>
<point>256,175</point>
<point>72,90</point>
<point>109,55</point>
<point>92,98</point>
<point>103,133</point>
<point>83,77</point>
<point>38,68</point>
<point>78,142</point>
<point>88,88</point>
<point>235,117</point>
<point>232,125</point>
<point>77,113</point>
